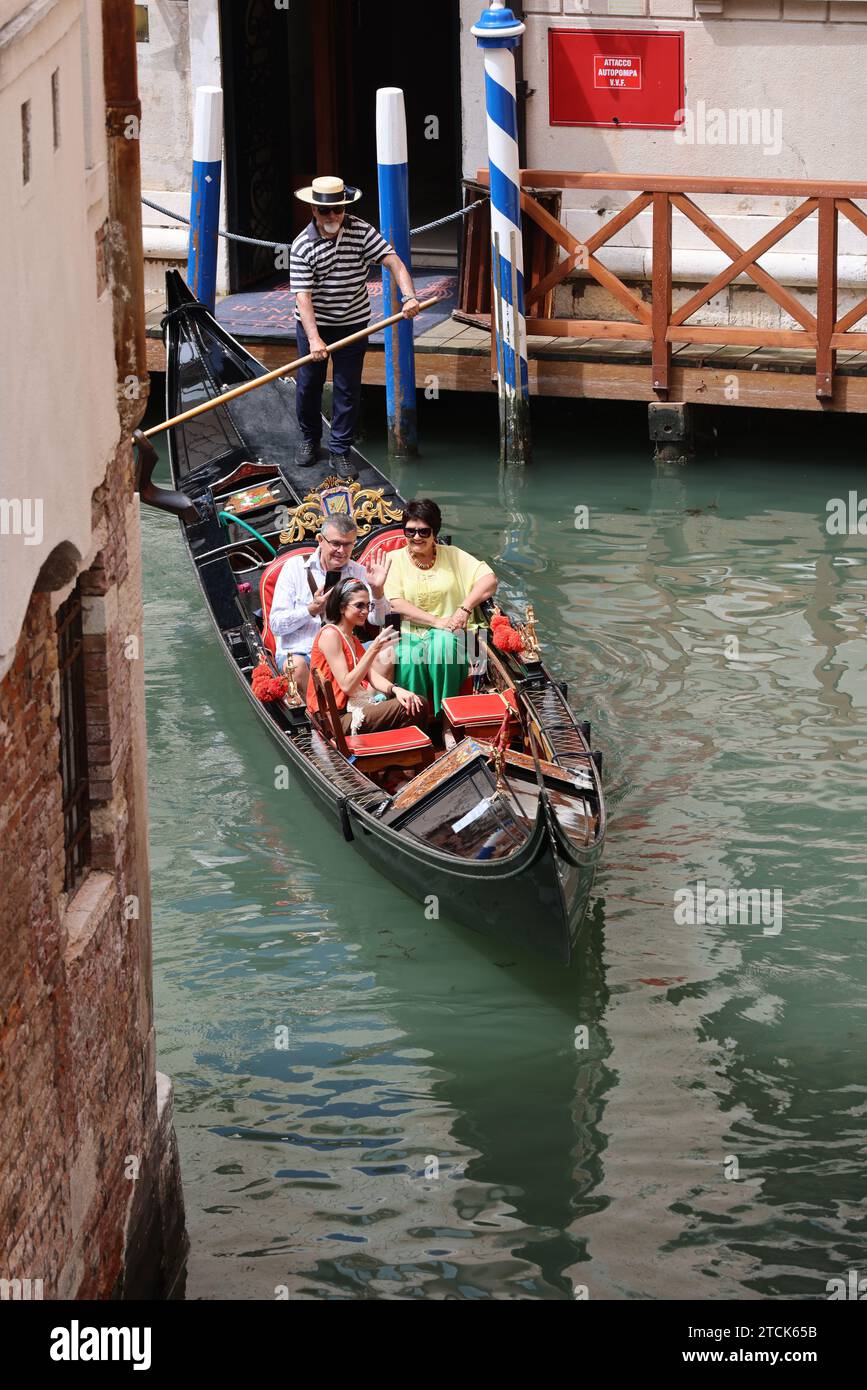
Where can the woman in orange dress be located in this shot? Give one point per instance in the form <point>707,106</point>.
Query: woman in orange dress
<point>355,674</point>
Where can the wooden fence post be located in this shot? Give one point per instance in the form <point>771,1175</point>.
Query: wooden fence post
<point>661,291</point>
<point>826,298</point>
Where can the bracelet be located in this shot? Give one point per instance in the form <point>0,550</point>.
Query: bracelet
<point>466,610</point>
<point>405,298</point>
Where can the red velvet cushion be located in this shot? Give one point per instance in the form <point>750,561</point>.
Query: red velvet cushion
<point>389,741</point>
<point>478,709</point>
<point>266,590</point>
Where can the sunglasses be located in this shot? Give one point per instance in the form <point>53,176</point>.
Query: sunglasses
<point>420,532</point>
<point>362,607</point>
<point>328,211</point>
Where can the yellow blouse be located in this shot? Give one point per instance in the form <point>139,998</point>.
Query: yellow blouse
<point>439,590</point>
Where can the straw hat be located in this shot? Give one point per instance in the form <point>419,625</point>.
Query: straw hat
<point>329,192</point>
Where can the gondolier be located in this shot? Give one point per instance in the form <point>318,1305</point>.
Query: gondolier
<point>329,264</point>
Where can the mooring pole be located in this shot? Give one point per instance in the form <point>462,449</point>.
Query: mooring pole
<point>205,194</point>
<point>393,169</point>
<point>498,34</point>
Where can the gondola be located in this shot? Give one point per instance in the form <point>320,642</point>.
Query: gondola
<point>504,826</point>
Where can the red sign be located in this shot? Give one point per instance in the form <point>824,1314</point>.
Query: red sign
<point>616,77</point>
<point>616,72</point>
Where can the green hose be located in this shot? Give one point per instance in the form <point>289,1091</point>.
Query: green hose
<point>239,521</point>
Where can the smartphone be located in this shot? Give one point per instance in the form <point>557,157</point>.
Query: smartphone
<point>392,620</point>
<point>332,577</point>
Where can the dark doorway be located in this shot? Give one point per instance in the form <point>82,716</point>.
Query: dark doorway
<point>300,99</point>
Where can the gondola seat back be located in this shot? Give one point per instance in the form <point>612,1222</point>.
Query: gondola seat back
<point>480,716</point>
<point>406,747</point>
<point>266,590</point>
<point>381,545</point>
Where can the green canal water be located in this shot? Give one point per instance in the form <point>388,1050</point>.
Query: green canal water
<point>370,1104</point>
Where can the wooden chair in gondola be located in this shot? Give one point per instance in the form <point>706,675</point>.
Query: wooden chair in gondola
<point>407,747</point>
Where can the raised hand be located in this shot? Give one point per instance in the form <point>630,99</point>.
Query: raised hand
<point>377,570</point>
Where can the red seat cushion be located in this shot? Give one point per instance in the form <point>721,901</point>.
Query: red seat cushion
<point>381,545</point>
<point>266,590</point>
<point>388,741</point>
<point>478,709</point>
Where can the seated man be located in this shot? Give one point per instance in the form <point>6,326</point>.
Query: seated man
<point>298,605</point>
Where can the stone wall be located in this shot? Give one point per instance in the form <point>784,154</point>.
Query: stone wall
<point>89,1188</point>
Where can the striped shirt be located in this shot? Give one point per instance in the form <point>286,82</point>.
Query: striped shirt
<point>335,270</point>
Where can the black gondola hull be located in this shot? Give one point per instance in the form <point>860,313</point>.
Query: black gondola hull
<point>535,898</point>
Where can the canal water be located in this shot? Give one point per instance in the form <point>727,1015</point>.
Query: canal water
<point>370,1104</point>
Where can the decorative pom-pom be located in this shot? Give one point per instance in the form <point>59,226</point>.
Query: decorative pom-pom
<point>268,687</point>
<point>506,639</point>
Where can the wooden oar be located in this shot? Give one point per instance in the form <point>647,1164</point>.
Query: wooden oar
<point>281,371</point>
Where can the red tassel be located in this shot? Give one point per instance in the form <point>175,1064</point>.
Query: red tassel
<point>506,639</point>
<point>267,687</point>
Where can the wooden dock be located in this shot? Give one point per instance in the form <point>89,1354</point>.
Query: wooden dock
<point>651,352</point>
<point>459,356</point>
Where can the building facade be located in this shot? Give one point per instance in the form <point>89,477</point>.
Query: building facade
<point>770,90</point>
<point>90,1196</point>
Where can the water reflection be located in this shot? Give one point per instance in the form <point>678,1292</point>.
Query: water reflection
<point>374,1105</point>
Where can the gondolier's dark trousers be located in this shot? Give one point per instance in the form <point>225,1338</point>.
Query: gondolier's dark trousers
<point>348,366</point>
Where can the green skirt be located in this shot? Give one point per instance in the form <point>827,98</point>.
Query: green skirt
<point>432,664</point>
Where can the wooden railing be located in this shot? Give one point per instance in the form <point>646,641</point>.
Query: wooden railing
<point>823,333</point>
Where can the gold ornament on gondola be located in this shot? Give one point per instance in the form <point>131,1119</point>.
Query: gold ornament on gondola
<point>366,505</point>
<point>293,696</point>
<point>531,650</point>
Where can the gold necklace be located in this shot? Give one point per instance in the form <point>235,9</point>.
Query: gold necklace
<point>430,564</point>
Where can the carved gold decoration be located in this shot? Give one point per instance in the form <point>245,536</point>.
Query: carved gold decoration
<point>293,696</point>
<point>499,764</point>
<point>369,509</point>
<point>531,651</point>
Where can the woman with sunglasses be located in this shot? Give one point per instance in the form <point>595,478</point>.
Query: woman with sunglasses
<point>354,673</point>
<point>436,589</point>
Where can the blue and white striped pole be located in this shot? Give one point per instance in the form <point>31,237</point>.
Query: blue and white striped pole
<point>498,34</point>
<point>393,170</point>
<point>205,194</point>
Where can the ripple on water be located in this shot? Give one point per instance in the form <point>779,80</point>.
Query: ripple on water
<point>373,1105</point>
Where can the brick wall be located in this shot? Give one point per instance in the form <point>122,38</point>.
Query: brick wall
<point>84,1146</point>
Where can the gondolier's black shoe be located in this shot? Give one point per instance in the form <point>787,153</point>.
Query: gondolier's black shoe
<point>343,466</point>
<point>306,454</point>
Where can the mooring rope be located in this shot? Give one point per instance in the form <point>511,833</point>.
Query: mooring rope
<point>281,245</point>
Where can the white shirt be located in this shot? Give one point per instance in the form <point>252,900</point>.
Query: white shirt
<point>293,628</point>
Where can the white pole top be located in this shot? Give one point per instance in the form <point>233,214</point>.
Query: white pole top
<point>208,125</point>
<point>390,126</point>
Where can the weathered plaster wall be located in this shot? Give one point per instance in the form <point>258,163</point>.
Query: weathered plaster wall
<point>164,82</point>
<point>805,59</point>
<point>57,369</point>
<point>183,53</point>
<point>801,59</point>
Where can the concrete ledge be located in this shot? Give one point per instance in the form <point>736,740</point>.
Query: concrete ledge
<point>86,912</point>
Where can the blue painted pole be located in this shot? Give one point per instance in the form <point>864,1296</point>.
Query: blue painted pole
<point>391,155</point>
<point>205,194</point>
<point>498,34</point>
